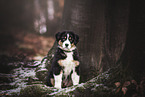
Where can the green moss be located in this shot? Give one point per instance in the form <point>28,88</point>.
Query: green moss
<point>31,91</point>
<point>94,87</point>
<point>42,74</point>
<point>35,91</point>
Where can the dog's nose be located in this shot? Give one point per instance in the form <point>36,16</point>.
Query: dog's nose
<point>66,45</point>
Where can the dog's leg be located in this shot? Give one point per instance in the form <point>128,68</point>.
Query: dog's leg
<point>76,62</point>
<point>60,62</point>
<point>75,78</point>
<point>58,80</point>
<point>50,79</point>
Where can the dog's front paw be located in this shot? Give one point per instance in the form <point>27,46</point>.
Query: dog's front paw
<point>60,62</point>
<point>58,86</point>
<point>58,80</point>
<point>76,63</point>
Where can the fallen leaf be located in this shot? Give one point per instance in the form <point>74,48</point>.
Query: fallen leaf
<point>124,90</point>
<point>127,83</point>
<point>117,84</point>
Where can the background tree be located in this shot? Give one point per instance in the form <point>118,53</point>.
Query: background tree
<point>132,58</point>
<point>47,15</point>
<point>41,16</point>
<point>102,26</point>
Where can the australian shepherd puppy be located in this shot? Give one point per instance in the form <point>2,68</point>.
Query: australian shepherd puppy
<point>64,70</point>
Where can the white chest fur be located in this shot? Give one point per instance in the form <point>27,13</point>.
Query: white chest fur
<point>68,63</point>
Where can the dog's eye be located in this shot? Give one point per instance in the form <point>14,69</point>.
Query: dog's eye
<point>70,38</point>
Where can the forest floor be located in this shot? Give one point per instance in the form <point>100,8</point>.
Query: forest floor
<point>24,44</point>
<point>18,51</point>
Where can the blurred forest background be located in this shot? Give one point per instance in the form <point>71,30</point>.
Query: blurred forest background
<point>112,38</point>
<point>26,26</point>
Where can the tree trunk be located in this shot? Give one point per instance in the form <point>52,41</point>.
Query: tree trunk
<point>40,19</point>
<point>99,24</point>
<point>82,16</point>
<point>108,34</point>
<point>132,58</point>
<point>117,13</point>
<point>47,16</point>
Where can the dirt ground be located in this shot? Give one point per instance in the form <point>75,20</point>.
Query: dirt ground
<point>20,43</point>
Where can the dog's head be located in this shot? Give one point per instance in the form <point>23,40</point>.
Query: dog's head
<point>67,40</point>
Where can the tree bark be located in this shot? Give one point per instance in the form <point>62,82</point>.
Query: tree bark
<point>82,16</point>
<point>108,34</point>
<point>132,58</point>
<point>117,13</point>
<point>102,26</point>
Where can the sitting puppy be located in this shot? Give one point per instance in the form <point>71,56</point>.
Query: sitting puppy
<point>64,70</point>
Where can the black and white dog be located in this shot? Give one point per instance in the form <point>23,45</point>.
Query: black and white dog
<point>64,70</point>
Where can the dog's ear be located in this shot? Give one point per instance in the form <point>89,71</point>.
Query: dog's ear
<point>76,39</point>
<point>57,36</point>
